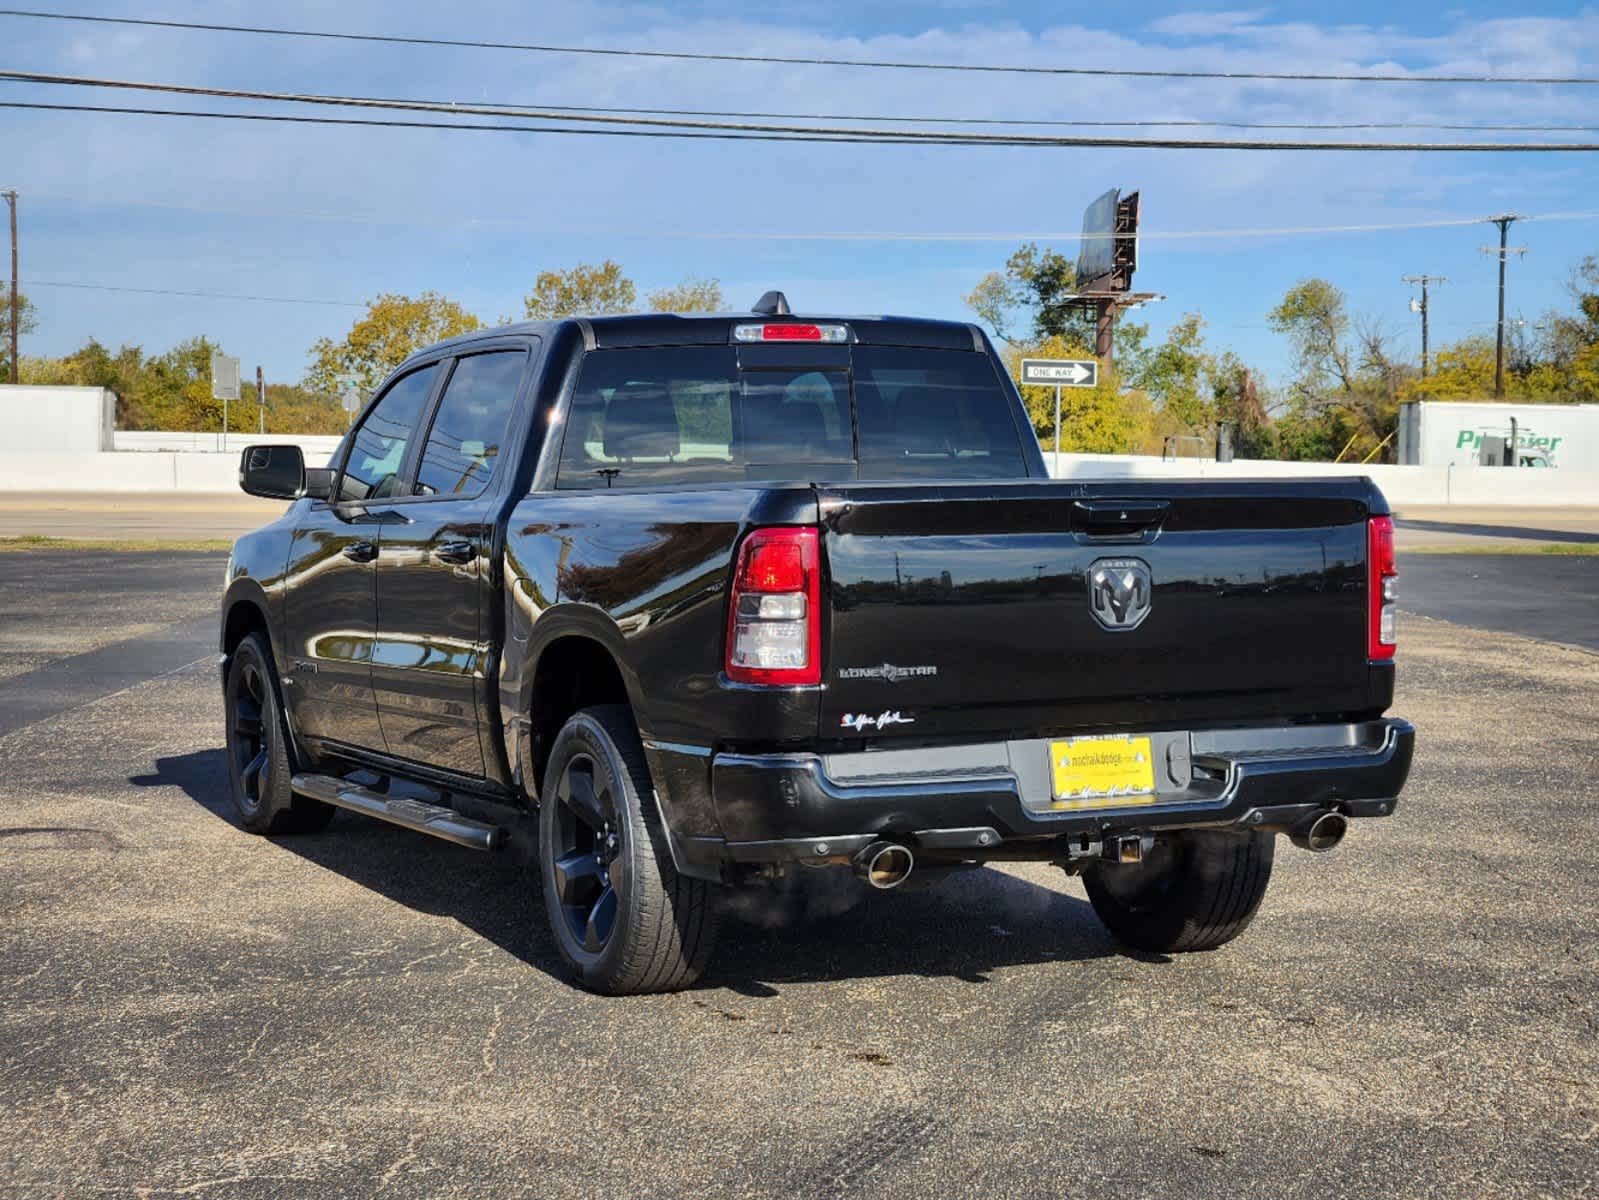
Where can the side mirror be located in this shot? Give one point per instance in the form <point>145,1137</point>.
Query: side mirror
<point>276,472</point>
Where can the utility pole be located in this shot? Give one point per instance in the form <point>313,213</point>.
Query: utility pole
<point>260,401</point>
<point>16,300</point>
<point>1504,221</point>
<point>1421,307</point>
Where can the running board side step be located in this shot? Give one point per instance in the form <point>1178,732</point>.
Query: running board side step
<point>435,820</point>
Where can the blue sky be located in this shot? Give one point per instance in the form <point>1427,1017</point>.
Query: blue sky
<point>342,214</point>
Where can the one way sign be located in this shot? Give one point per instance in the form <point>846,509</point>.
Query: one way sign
<point>1061,372</point>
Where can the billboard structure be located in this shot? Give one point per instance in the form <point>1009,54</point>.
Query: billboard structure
<point>1106,259</point>
<point>1108,251</point>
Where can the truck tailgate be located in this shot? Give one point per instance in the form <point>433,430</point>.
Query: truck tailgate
<point>967,608</point>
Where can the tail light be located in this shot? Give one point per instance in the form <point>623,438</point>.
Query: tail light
<point>774,626</point>
<point>790,331</point>
<point>1381,591</point>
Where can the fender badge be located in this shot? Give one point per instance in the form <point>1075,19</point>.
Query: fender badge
<point>887,672</point>
<point>860,721</point>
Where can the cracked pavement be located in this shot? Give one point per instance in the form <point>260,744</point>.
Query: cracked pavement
<point>193,1011</point>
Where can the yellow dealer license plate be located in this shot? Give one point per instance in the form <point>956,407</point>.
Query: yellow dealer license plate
<point>1102,772</point>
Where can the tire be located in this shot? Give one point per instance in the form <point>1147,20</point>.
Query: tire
<point>1195,890</point>
<point>259,767</point>
<point>623,919</point>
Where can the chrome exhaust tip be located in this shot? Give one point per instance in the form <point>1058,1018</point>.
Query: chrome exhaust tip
<point>1322,834</point>
<point>885,865</point>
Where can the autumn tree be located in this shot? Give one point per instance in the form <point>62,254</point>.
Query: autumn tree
<point>1344,395</point>
<point>588,289</point>
<point>393,328</point>
<point>1314,317</point>
<point>1561,359</point>
<point>1097,420</point>
<point>691,296</point>
<point>1239,398</point>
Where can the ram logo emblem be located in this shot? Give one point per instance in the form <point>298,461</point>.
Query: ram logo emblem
<point>1119,592</point>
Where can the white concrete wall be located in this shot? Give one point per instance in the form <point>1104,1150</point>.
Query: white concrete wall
<point>318,447</point>
<point>197,471</point>
<point>141,463</point>
<point>1509,486</point>
<point>56,419</point>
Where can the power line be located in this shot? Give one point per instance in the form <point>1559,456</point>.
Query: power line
<point>1061,122</point>
<point>803,61</point>
<point>742,133</point>
<point>511,107</point>
<point>106,287</point>
<point>521,225</point>
<point>564,113</point>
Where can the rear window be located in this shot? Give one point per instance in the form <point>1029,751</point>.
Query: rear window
<point>690,415</point>
<point>933,414</point>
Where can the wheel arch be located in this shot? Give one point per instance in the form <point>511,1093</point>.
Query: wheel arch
<point>243,615</point>
<point>245,610</point>
<point>577,664</point>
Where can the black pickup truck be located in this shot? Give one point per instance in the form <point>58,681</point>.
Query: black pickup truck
<point>714,598</point>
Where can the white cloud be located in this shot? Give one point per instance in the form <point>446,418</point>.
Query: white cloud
<point>1207,24</point>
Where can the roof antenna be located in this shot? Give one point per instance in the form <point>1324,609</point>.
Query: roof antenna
<point>772,304</point>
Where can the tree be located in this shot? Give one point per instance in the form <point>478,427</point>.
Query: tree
<point>1175,374</point>
<point>691,296</point>
<point>1031,300</point>
<point>1344,397</point>
<point>1097,420</point>
<point>1314,317</point>
<point>1465,371</point>
<point>584,290</point>
<point>1567,346</point>
<point>394,327</point>
<point>1238,399</point>
<point>27,322</point>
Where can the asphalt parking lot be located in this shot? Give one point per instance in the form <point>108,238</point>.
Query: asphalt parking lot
<point>190,1010</point>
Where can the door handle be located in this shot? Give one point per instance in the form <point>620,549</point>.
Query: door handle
<point>1118,519</point>
<point>458,553</point>
<point>361,552</point>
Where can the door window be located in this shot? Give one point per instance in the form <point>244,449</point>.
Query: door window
<point>469,431</point>
<point>377,453</point>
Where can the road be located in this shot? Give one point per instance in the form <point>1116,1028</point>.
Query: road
<point>191,1010</point>
<point>1550,597</point>
<point>110,516</point>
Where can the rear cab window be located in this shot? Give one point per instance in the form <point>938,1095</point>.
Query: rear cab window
<point>680,415</point>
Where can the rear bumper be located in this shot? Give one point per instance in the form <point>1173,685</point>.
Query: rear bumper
<point>984,801</point>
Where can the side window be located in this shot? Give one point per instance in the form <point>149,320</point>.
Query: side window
<point>469,430</point>
<point>373,467</point>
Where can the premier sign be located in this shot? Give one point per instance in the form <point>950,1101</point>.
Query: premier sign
<point>1451,433</point>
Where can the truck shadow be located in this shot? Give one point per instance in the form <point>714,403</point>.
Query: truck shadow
<point>814,926</point>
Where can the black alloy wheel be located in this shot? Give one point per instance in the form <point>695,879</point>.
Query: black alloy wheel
<point>622,917</point>
<point>250,737</point>
<point>587,867</point>
<point>260,771</point>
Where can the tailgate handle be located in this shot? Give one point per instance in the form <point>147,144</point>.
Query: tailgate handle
<point>1118,518</point>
